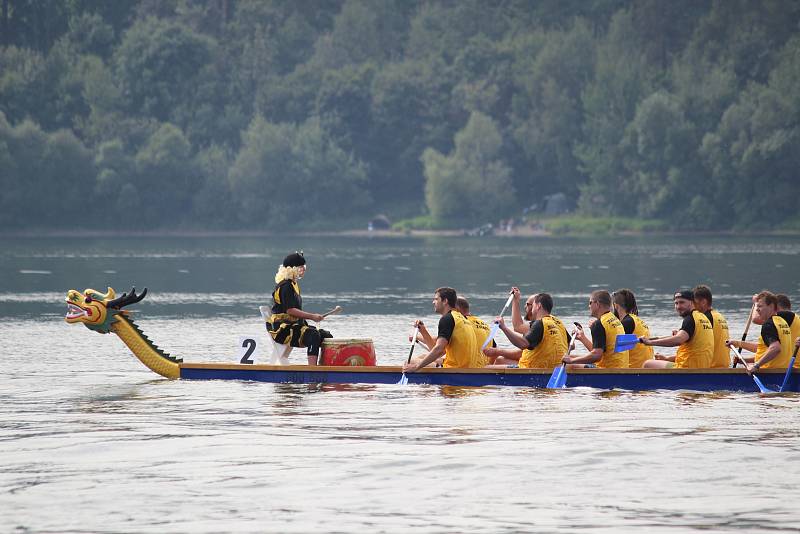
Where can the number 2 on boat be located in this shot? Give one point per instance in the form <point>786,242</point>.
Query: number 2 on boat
<point>247,346</point>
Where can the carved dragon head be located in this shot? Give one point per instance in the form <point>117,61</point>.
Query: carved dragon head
<point>97,311</point>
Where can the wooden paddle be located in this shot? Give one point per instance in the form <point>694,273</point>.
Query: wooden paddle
<point>404,379</point>
<point>744,336</point>
<point>334,311</point>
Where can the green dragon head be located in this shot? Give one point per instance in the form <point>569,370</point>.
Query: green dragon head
<point>97,311</point>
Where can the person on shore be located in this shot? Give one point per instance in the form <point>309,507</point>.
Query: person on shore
<point>288,323</point>
<point>545,342</point>
<point>774,348</point>
<point>605,330</point>
<point>455,339</point>
<point>695,339</point>
<point>702,303</point>
<point>627,312</point>
<point>791,318</point>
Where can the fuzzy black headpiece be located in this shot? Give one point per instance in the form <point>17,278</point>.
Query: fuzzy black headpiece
<point>295,259</point>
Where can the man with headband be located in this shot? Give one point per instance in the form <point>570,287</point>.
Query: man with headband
<point>695,339</point>
<point>288,323</point>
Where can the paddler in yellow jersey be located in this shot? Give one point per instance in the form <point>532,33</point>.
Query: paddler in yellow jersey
<point>702,303</point>
<point>627,312</point>
<point>546,339</point>
<point>791,318</point>
<point>605,329</point>
<point>774,348</point>
<point>455,339</point>
<point>695,339</point>
<point>482,329</point>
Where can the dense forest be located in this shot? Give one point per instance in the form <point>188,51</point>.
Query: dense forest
<point>267,115</point>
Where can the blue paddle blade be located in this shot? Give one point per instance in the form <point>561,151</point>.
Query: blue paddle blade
<point>789,370</point>
<point>761,386</point>
<point>625,342</point>
<point>492,333</point>
<point>403,380</point>
<point>559,377</point>
<point>562,377</point>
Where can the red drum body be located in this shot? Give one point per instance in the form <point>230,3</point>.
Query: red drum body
<point>349,352</point>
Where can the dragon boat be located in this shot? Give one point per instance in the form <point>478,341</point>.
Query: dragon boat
<point>103,313</point>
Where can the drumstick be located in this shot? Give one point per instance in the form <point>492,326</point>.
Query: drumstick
<point>334,311</point>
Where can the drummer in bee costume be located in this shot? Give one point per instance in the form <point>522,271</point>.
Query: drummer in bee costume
<point>288,323</point>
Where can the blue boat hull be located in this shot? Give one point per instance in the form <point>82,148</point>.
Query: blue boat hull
<point>629,379</point>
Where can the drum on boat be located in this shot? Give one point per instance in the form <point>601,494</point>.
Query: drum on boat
<point>350,352</point>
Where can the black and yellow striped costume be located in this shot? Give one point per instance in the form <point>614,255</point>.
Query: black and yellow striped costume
<point>287,329</point>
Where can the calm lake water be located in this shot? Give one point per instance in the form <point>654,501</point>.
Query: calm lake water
<point>91,441</point>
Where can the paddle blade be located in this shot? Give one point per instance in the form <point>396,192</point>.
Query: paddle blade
<point>761,386</point>
<point>625,342</point>
<point>403,380</point>
<point>492,333</point>
<point>562,377</point>
<point>558,379</point>
<point>789,370</point>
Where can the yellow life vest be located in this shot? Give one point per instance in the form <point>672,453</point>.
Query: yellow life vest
<point>279,309</point>
<point>795,326</point>
<point>698,352</point>
<point>462,349</point>
<point>722,354</point>
<point>613,328</point>
<point>553,346</point>
<point>781,361</point>
<point>640,353</point>
<point>481,333</point>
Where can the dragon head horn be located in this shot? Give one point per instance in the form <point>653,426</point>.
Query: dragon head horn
<point>126,299</point>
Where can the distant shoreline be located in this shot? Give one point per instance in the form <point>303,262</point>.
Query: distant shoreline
<point>521,231</point>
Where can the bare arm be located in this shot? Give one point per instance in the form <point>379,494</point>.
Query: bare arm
<point>773,352</point>
<point>517,339</point>
<point>593,356</point>
<point>300,314</point>
<point>746,345</point>
<point>516,315</point>
<point>425,336</point>
<point>437,351</point>
<point>672,341</point>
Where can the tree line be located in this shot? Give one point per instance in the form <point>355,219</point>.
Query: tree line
<point>258,114</point>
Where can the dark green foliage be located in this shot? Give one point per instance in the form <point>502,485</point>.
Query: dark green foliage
<point>264,113</point>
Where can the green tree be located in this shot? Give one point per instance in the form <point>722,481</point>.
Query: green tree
<point>470,184</point>
<point>46,179</point>
<point>165,178</point>
<point>286,174</point>
<point>157,65</point>
<point>621,78</point>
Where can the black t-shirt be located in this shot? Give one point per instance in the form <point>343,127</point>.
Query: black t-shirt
<point>787,316</point>
<point>710,317</point>
<point>289,298</point>
<point>535,334</point>
<point>628,324</point>
<point>769,332</point>
<point>688,325</point>
<point>446,326</point>
<point>598,335</point>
